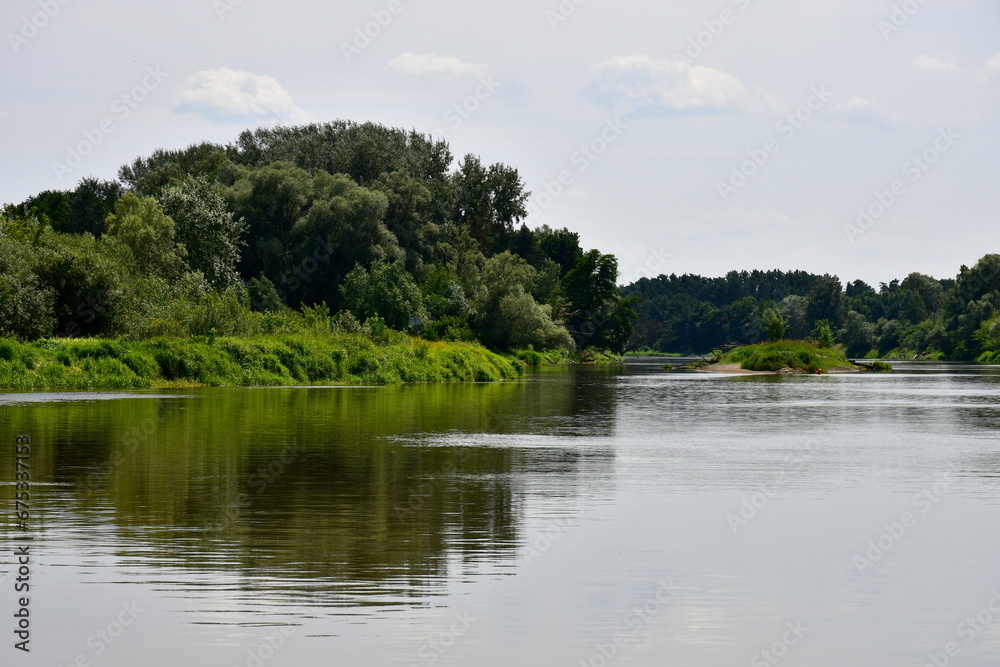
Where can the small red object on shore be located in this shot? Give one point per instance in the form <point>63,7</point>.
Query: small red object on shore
<point>819,371</point>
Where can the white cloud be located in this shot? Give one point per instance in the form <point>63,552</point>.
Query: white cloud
<point>993,64</point>
<point>430,64</point>
<point>224,93</point>
<point>860,111</point>
<point>640,83</point>
<point>938,63</point>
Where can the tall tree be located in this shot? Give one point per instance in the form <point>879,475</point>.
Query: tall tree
<point>206,227</point>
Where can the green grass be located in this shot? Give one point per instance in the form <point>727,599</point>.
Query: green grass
<point>796,355</point>
<point>649,352</point>
<point>278,360</point>
<point>562,357</point>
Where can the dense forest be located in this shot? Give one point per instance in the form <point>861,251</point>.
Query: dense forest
<point>367,225</point>
<point>954,318</point>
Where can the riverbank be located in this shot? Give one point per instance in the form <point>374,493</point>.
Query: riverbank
<point>276,360</point>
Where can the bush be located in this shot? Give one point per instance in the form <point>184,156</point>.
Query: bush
<point>142,364</point>
<point>530,357</point>
<point>795,355</point>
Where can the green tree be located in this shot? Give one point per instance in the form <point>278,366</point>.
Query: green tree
<point>489,201</point>
<point>988,334</point>
<point>857,335</point>
<point>827,302</point>
<point>90,205</point>
<point>561,246</point>
<point>823,334</point>
<point>794,310</point>
<point>408,216</point>
<point>149,234</point>
<point>26,305</point>
<point>342,227</point>
<point>597,315</point>
<point>263,296</point>
<point>506,315</point>
<point>776,325</point>
<point>165,168</point>
<point>206,227</point>
<point>270,200</point>
<point>387,291</point>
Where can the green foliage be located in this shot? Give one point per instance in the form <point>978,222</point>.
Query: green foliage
<point>507,316</point>
<point>857,335</point>
<point>794,355</point>
<point>149,235</point>
<point>776,325</point>
<point>80,211</point>
<point>793,309</point>
<point>988,334</point>
<point>263,297</point>
<point>530,357</point>
<point>26,304</point>
<point>597,315</point>
<point>278,360</point>
<point>387,291</point>
<point>207,229</point>
<point>489,201</point>
<point>308,231</point>
<point>149,176</point>
<point>823,334</point>
<point>224,241</point>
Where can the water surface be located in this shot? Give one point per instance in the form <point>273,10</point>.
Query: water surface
<point>620,516</point>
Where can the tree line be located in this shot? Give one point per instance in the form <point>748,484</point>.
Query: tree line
<point>373,224</point>
<point>955,318</point>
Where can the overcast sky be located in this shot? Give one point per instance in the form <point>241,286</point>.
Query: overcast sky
<point>683,136</point>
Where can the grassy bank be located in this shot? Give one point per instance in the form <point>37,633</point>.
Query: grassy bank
<point>796,355</point>
<point>649,352</point>
<point>290,359</point>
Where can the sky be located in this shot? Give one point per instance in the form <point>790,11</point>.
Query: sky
<point>856,138</point>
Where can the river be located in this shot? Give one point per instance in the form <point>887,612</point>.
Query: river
<point>586,516</point>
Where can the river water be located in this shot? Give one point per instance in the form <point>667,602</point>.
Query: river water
<point>586,516</point>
